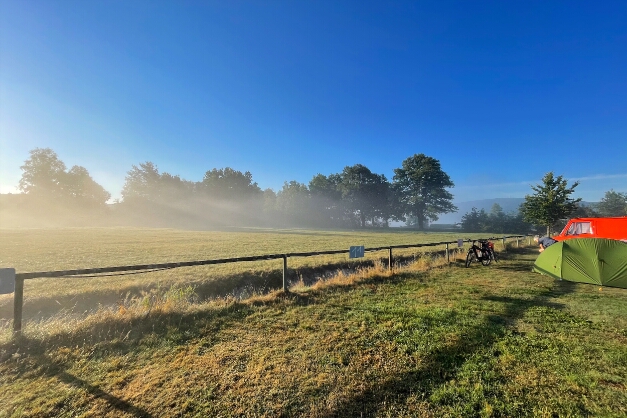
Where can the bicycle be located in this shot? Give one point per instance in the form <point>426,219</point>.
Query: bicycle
<point>483,254</point>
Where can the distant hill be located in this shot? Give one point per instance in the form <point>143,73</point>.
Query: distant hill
<point>509,205</point>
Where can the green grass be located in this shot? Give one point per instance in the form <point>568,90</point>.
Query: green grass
<point>29,250</point>
<point>450,341</point>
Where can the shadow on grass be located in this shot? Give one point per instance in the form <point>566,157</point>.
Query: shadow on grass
<point>518,267</point>
<point>563,287</point>
<point>117,335</point>
<point>443,364</point>
<point>114,402</point>
<point>514,253</point>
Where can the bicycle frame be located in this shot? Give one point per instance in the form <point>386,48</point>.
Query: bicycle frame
<point>483,254</point>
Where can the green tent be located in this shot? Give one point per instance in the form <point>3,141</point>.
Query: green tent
<point>597,261</point>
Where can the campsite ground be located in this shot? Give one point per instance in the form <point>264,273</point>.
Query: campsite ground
<point>431,340</point>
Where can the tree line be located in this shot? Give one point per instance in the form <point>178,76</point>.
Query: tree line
<point>550,206</point>
<point>354,197</point>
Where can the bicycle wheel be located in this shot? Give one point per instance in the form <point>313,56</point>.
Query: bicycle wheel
<point>470,258</point>
<point>486,259</point>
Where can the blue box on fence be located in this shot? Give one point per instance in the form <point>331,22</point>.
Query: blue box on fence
<point>356,251</point>
<point>7,281</point>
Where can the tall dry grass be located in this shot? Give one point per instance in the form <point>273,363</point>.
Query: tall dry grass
<point>157,303</point>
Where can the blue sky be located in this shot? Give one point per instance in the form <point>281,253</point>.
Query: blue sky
<point>499,92</point>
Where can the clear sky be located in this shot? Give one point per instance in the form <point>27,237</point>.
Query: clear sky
<point>500,92</point>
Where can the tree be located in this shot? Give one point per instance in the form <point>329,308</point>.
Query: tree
<point>326,199</point>
<point>497,219</point>
<point>475,221</point>
<point>142,183</point>
<point>293,203</point>
<point>230,184</point>
<point>43,174</point>
<point>517,225</point>
<point>175,189</point>
<point>585,211</point>
<point>79,185</point>
<point>582,211</point>
<point>613,204</point>
<point>365,194</point>
<point>269,206</point>
<point>421,188</point>
<point>550,202</point>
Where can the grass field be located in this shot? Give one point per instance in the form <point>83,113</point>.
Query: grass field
<point>429,341</point>
<point>30,250</point>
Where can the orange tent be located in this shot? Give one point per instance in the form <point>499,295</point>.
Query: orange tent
<point>612,228</point>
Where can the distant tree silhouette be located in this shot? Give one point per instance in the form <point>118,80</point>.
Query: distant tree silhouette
<point>293,203</point>
<point>613,204</point>
<point>43,174</point>
<point>326,200</point>
<point>142,183</point>
<point>269,207</point>
<point>475,221</point>
<point>585,211</point>
<point>79,185</point>
<point>226,183</point>
<point>496,221</point>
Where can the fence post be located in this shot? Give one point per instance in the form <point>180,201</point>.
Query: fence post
<point>517,242</point>
<point>285,272</point>
<point>390,258</point>
<point>504,247</point>
<point>18,302</point>
<point>448,259</point>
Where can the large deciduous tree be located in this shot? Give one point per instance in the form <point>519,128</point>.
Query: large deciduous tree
<point>326,199</point>
<point>79,185</point>
<point>421,185</point>
<point>613,204</point>
<point>142,183</point>
<point>158,197</point>
<point>226,183</point>
<point>550,202</point>
<point>365,194</point>
<point>293,203</point>
<point>43,174</point>
<point>233,196</point>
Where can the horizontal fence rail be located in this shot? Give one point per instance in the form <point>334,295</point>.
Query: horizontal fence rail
<point>147,268</point>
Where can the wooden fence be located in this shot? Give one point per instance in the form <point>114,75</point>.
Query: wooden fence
<point>18,290</point>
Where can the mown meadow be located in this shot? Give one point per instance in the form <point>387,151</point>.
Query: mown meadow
<point>29,250</point>
<point>431,339</point>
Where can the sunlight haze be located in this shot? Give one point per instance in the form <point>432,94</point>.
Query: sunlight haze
<point>500,93</point>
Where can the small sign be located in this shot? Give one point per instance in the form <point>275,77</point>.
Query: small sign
<point>356,251</point>
<point>7,281</point>
<point>460,243</point>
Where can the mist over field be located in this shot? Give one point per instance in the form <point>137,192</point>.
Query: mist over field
<point>356,197</point>
<point>24,211</point>
<point>418,195</point>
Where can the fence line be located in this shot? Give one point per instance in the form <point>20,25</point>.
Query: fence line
<point>18,299</point>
